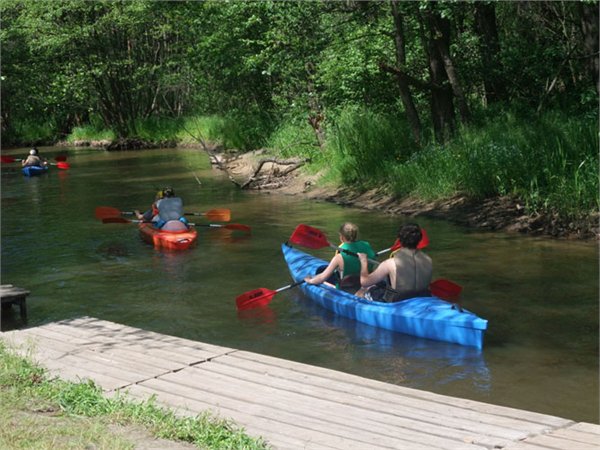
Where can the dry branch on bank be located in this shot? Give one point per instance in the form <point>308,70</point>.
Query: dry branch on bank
<point>265,173</point>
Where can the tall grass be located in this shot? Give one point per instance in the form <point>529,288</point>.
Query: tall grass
<point>31,133</point>
<point>551,162</point>
<point>27,394</point>
<point>367,145</point>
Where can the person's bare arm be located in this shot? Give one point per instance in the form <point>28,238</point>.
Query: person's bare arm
<point>333,264</point>
<point>369,279</point>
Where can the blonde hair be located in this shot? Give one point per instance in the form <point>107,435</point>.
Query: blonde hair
<point>349,231</point>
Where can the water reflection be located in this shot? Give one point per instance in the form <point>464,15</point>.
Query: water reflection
<point>404,359</point>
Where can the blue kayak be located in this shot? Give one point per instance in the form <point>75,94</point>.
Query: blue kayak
<point>426,317</point>
<point>30,171</point>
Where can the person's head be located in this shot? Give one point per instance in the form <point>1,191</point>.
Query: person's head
<point>33,151</point>
<point>349,232</point>
<point>168,192</point>
<point>410,235</point>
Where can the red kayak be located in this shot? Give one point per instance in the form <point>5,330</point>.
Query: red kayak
<point>170,240</point>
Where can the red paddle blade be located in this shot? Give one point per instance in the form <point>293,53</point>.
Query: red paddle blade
<point>254,299</point>
<point>446,290</point>
<point>238,226</point>
<point>115,220</point>
<point>220,215</point>
<point>7,159</point>
<point>307,236</point>
<point>106,211</point>
<point>60,158</point>
<point>63,165</point>
<point>424,242</point>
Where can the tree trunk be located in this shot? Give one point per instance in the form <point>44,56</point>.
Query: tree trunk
<point>442,106</point>
<point>315,116</point>
<point>589,28</point>
<point>489,48</point>
<point>405,94</point>
<point>440,35</point>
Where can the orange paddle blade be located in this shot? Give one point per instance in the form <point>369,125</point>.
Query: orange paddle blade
<point>219,214</point>
<point>63,165</point>
<point>7,159</point>
<point>106,211</point>
<point>307,236</point>
<point>238,227</point>
<point>446,290</point>
<point>254,299</point>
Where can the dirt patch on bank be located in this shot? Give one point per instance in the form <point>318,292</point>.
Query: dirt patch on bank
<point>497,214</point>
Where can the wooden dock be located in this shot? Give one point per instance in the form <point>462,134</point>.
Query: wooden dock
<point>291,405</point>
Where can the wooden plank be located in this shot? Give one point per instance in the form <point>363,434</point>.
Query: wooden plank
<point>554,441</point>
<point>9,292</point>
<point>586,428</point>
<point>369,397</point>
<point>336,377</point>
<point>578,437</point>
<point>284,416</point>
<point>352,419</point>
<point>293,405</point>
<point>281,438</point>
<point>110,332</point>
<point>368,413</point>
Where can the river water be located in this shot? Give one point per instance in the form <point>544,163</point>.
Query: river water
<point>540,296</point>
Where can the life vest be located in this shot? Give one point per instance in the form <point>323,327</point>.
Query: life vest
<point>352,263</point>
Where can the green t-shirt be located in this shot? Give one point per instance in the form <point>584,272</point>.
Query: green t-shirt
<point>352,263</point>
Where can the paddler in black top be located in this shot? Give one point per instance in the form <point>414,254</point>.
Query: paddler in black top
<point>406,275</point>
<point>34,159</point>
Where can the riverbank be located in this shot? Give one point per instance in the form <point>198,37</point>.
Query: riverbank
<point>495,214</point>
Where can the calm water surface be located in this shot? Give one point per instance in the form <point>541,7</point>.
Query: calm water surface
<point>539,296</point>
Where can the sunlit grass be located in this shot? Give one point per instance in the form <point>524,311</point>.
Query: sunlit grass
<point>48,413</point>
<point>90,133</point>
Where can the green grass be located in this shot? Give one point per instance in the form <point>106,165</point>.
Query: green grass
<point>550,162</point>
<point>90,133</point>
<point>47,413</point>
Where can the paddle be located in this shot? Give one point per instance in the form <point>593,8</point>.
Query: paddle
<point>446,290</point>
<point>108,211</point>
<point>424,242</point>
<point>213,214</point>
<point>11,159</point>
<point>61,165</point>
<point>307,236</point>
<point>260,297</point>
<point>219,214</point>
<point>229,226</point>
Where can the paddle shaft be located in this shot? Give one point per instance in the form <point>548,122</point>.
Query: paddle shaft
<point>289,286</point>
<point>229,226</point>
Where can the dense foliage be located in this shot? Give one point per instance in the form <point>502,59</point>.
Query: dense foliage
<point>379,85</point>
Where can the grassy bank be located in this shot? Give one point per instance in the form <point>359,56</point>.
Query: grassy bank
<point>47,413</point>
<point>549,162</point>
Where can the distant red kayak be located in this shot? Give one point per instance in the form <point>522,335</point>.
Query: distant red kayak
<point>170,240</point>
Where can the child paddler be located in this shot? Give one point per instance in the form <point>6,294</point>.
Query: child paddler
<point>343,270</point>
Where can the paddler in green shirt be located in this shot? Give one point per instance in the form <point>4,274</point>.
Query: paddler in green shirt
<point>347,266</point>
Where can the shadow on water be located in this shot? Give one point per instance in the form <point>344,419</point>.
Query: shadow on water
<point>399,358</point>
